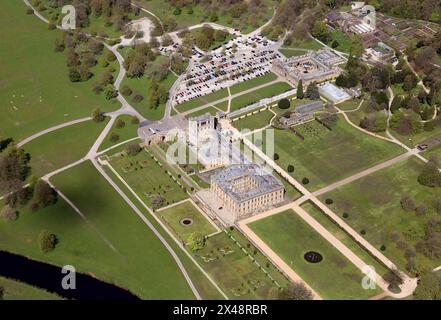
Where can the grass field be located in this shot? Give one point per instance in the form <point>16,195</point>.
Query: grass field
<point>253,83</point>
<point>349,104</point>
<point>292,52</point>
<point>32,72</point>
<point>141,85</point>
<point>373,205</point>
<point>145,176</point>
<point>234,271</point>
<point>246,23</point>
<point>62,147</point>
<point>223,93</point>
<point>255,121</point>
<point>15,290</point>
<point>330,157</point>
<point>210,110</point>
<point>137,249</point>
<point>173,217</point>
<point>127,132</point>
<point>255,96</point>
<point>290,237</point>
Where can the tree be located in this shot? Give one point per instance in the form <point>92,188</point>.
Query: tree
<point>8,213</point>
<point>74,75</point>
<point>300,94</point>
<point>44,195</point>
<point>97,115</point>
<point>158,202</point>
<point>134,120</point>
<point>290,168</point>
<point>133,148</point>
<point>430,175</point>
<point>14,169</point>
<point>312,92</point>
<point>276,156</point>
<point>196,241</point>
<point>284,103</point>
<point>47,241</point>
<point>296,291</point>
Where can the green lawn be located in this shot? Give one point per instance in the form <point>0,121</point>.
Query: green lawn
<point>173,218</point>
<point>253,83</point>
<point>210,110</point>
<point>344,41</point>
<point>349,105</point>
<point>255,121</point>
<point>32,72</point>
<point>335,277</point>
<point>141,85</point>
<point>223,93</point>
<point>341,235</point>
<point>412,140</point>
<point>292,52</point>
<point>137,248</point>
<point>309,44</point>
<point>332,156</point>
<point>247,22</point>
<point>15,290</point>
<point>62,147</point>
<point>373,205</point>
<point>145,176</point>
<point>127,132</point>
<point>255,96</point>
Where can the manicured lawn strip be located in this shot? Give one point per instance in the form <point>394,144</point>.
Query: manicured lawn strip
<point>62,147</point>
<point>222,105</point>
<point>331,157</point>
<point>349,105</point>
<point>255,96</point>
<point>79,243</point>
<point>127,132</point>
<point>373,205</point>
<point>294,104</point>
<point>138,248</point>
<point>233,270</point>
<point>173,218</point>
<point>204,286</point>
<point>145,176</point>
<point>199,181</point>
<point>255,121</point>
<point>308,43</point>
<point>292,52</point>
<point>341,235</point>
<point>31,70</point>
<point>141,85</point>
<point>223,93</point>
<point>290,237</point>
<point>210,110</point>
<point>253,83</point>
<point>15,290</point>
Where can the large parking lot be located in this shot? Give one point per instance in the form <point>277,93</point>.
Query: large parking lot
<point>241,59</point>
